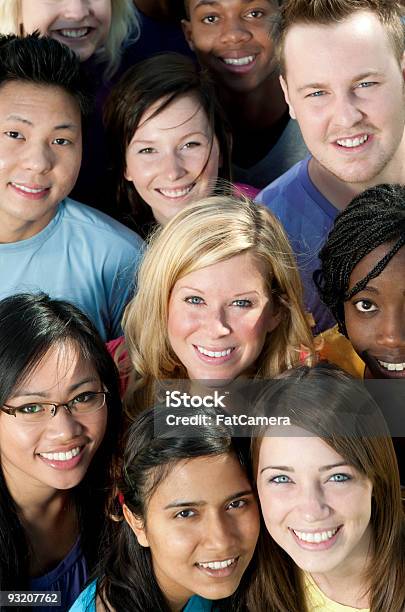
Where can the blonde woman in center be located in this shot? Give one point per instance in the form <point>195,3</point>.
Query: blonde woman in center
<point>219,296</point>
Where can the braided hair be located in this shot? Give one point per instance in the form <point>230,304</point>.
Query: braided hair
<point>374,217</point>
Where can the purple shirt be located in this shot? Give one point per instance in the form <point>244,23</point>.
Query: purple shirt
<point>307,217</point>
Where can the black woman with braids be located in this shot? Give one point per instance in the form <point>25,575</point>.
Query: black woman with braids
<point>362,281</point>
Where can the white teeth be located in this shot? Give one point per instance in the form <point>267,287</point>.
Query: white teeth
<point>319,536</point>
<point>398,367</point>
<point>78,33</point>
<point>216,565</point>
<point>352,142</point>
<point>215,353</point>
<point>28,189</point>
<point>176,193</point>
<point>241,61</point>
<point>62,456</point>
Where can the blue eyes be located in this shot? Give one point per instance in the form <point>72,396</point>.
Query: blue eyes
<point>280,479</point>
<point>283,479</point>
<point>196,300</point>
<point>339,478</point>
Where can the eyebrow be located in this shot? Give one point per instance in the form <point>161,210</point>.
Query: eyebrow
<point>248,292</point>
<point>215,3</point>
<point>188,135</point>
<point>287,468</point>
<point>62,126</point>
<point>27,392</point>
<point>179,503</point>
<point>359,77</point>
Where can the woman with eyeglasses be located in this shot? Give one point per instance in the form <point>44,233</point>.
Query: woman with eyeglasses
<point>59,421</point>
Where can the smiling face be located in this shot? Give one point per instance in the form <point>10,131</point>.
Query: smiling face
<point>27,450</point>
<point>173,158</point>
<point>346,89</point>
<point>375,316</point>
<point>219,317</point>
<point>232,38</point>
<point>315,505</point>
<point>202,524</point>
<point>82,25</point>
<point>40,155</point>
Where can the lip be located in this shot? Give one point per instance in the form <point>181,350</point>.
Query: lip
<point>374,363</point>
<point>59,32</point>
<point>188,188</point>
<point>235,69</point>
<point>315,546</point>
<point>214,360</point>
<point>64,465</point>
<point>351,150</point>
<point>17,186</point>
<point>219,573</point>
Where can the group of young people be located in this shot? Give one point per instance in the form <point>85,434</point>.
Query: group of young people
<point>203,278</point>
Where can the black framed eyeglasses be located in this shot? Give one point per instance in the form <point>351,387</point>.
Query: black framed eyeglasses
<point>83,404</point>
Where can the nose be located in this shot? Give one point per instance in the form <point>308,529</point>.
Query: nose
<point>220,534</point>
<point>391,329</point>
<point>217,323</point>
<point>234,32</point>
<point>312,504</point>
<point>346,111</point>
<point>75,10</point>
<point>63,427</point>
<point>37,157</point>
<point>172,167</point>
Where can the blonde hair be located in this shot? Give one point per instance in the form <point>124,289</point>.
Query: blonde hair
<point>204,233</point>
<point>124,27</point>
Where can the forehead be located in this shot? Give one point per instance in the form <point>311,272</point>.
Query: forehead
<point>195,4</point>
<point>240,271</point>
<point>297,449</point>
<point>184,113</point>
<point>359,44</point>
<point>44,102</point>
<point>208,479</point>
<point>393,273</point>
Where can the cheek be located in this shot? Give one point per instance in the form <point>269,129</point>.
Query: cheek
<point>180,323</point>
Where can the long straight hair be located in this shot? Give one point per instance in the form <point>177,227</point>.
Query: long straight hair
<point>128,582</point>
<point>334,407</point>
<point>31,325</point>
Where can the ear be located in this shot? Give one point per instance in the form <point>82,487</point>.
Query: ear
<point>277,313</point>
<point>137,526</point>
<point>284,87</point>
<point>403,66</point>
<point>188,33</point>
<point>127,176</point>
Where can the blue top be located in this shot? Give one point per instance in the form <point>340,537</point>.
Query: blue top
<point>68,577</point>
<point>86,602</point>
<point>82,256</point>
<point>307,217</point>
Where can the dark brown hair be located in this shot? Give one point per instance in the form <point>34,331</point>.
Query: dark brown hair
<point>159,79</point>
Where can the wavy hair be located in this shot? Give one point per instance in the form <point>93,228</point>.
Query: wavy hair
<point>204,233</point>
<point>328,403</point>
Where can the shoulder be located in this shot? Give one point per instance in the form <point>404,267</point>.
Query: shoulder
<point>86,602</point>
<point>283,188</point>
<point>98,223</point>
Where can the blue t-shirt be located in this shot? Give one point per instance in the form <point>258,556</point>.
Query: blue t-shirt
<point>86,602</point>
<point>82,256</point>
<point>68,577</point>
<point>307,217</point>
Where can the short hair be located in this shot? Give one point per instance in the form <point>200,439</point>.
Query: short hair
<point>124,27</point>
<point>374,217</point>
<point>43,61</point>
<point>157,80</point>
<point>331,12</point>
<point>209,231</point>
<point>329,404</point>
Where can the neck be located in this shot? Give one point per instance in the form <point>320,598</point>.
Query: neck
<point>348,584</point>
<point>340,193</point>
<point>14,230</point>
<point>259,108</point>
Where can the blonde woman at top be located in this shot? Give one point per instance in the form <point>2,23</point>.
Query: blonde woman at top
<point>88,27</point>
<point>219,296</point>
